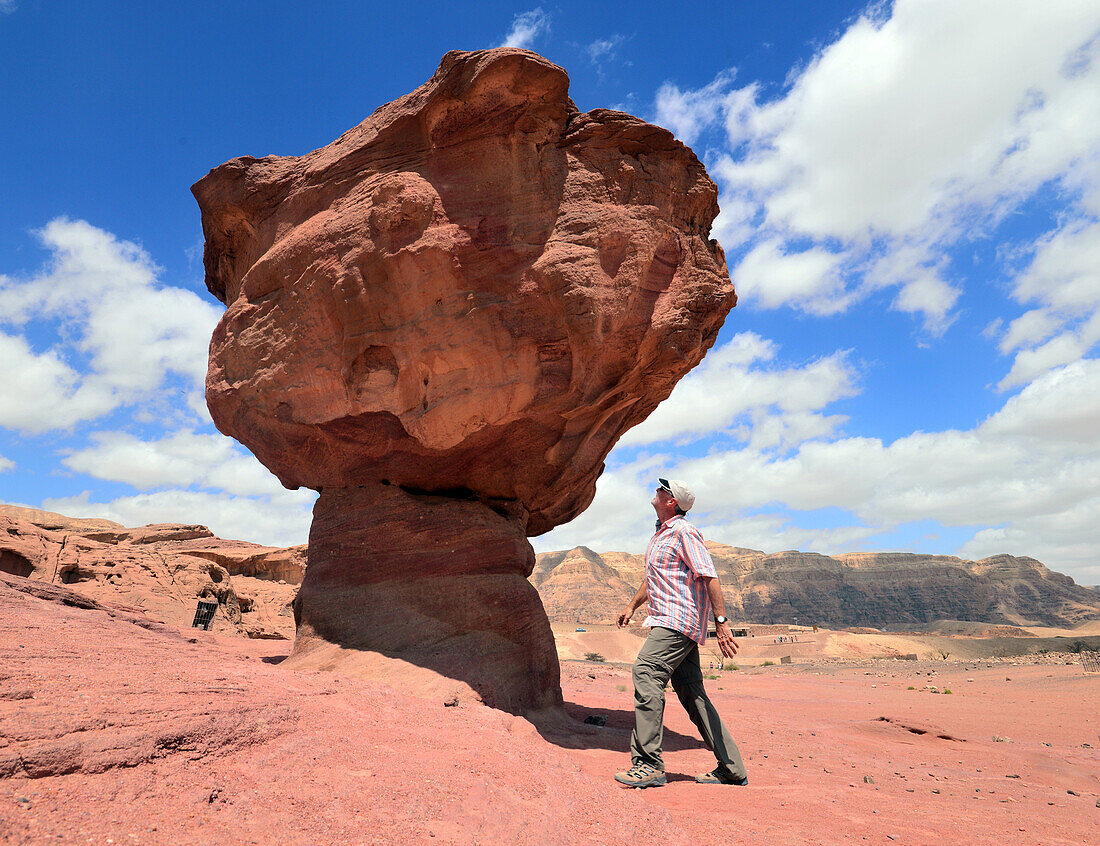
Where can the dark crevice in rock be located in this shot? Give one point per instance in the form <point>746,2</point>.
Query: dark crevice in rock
<point>15,564</point>
<point>464,494</point>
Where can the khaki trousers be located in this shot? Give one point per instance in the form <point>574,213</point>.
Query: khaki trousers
<point>667,656</point>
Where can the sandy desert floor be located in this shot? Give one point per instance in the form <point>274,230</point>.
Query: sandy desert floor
<point>115,732</point>
<point>620,646</point>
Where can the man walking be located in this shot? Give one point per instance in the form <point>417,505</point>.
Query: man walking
<point>681,586</point>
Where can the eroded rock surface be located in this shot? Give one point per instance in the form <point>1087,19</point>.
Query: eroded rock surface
<point>453,312</point>
<point>161,570</point>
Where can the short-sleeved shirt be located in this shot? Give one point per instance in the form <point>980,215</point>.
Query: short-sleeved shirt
<point>676,562</point>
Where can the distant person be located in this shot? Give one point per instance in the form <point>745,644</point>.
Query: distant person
<point>681,587</point>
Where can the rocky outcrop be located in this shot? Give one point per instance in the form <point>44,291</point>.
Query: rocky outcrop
<point>443,321</point>
<point>94,693</point>
<point>160,569</point>
<point>580,586</point>
<point>876,589</point>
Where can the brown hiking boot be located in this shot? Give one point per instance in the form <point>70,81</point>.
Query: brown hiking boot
<point>721,775</point>
<point>642,775</point>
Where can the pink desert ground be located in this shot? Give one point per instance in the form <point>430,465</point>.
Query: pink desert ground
<point>116,729</point>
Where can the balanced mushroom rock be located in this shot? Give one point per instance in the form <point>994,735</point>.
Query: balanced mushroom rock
<point>443,321</point>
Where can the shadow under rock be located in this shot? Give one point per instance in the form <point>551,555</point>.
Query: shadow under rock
<point>274,659</point>
<point>568,730</point>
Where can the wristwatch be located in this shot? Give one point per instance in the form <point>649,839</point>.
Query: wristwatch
<point>721,620</point>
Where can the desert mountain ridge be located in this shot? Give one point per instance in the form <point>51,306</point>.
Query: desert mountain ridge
<point>875,589</point>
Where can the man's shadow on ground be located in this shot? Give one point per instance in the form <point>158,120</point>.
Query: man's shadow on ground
<point>571,731</point>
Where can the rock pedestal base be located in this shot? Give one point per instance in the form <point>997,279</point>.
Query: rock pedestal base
<point>437,581</point>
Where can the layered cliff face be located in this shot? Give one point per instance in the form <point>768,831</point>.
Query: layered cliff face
<point>161,569</point>
<point>443,321</point>
<point>855,589</point>
<point>580,586</point>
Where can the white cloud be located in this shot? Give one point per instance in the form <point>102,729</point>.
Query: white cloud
<point>181,459</point>
<point>1062,407</point>
<point>1027,330</point>
<point>39,391</point>
<point>733,386</point>
<point>196,402</point>
<point>736,389</point>
<point>116,334</point>
<point>1037,455</point>
<point>6,464</point>
<point>902,124</point>
<point>620,518</point>
<point>603,49</point>
<point>1026,477</point>
<point>1063,349</point>
<point>930,296</point>
<point>1063,278</point>
<point>526,27</point>
<point>282,519</point>
<point>1064,274</point>
<point>687,113</point>
<point>809,279</point>
<point>912,131</point>
<point>1071,536</point>
<point>735,223</point>
<point>918,274</point>
<point>775,533</point>
<point>7,7</point>
<point>86,264</point>
<point>106,335</point>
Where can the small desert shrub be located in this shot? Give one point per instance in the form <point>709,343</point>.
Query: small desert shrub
<point>910,688</point>
<point>943,653</point>
<point>594,656</point>
<point>621,688</point>
<point>729,665</point>
<point>710,676</point>
<point>768,664</point>
<point>947,690</point>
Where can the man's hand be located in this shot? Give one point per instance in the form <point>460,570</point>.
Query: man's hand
<point>640,599</point>
<point>725,639</point>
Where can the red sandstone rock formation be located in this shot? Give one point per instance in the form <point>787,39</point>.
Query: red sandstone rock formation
<point>443,321</point>
<point>160,569</point>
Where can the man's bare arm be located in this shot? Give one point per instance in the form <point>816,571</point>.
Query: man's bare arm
<point>640,599</point>
<point>725,634</point>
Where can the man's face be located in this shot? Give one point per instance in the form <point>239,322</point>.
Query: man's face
<point>662,499</point>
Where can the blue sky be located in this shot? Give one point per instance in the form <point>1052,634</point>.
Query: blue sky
<point>910,210</point>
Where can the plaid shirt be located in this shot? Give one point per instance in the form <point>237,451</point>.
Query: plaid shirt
<point>675,564</point>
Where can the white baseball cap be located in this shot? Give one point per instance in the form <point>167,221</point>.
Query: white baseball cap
<point>681,492</point>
